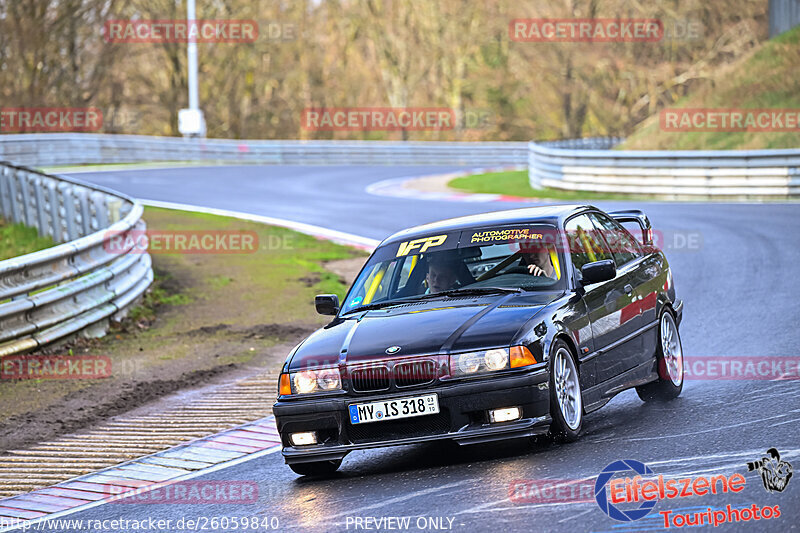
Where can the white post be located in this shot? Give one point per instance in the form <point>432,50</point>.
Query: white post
<point>190,16</point>
<point>190,121</point>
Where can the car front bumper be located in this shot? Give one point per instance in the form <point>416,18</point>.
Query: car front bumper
<point>463,416</point>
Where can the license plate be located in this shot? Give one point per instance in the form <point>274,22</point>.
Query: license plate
<point>361,413</point>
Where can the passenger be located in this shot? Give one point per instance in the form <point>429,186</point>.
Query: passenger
<point>442,274</point>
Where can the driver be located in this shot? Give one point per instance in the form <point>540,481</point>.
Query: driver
<point>537,261</point>
<point>442,273</point>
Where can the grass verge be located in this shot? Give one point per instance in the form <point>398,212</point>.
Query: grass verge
<point>206,315</point>
<point>515,183</point>
<point>18,239</point>
<point>767,79</point>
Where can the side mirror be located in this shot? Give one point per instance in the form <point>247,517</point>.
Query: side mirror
<point>326,304</point>
<point>598,271</point>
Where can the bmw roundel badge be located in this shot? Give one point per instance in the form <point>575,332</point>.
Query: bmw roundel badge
<point>392,349</point>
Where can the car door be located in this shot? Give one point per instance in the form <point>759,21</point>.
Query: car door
<point>604,301</point>
<point>648,278</point>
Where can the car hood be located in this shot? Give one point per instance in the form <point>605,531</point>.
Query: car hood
<point>429,327</point>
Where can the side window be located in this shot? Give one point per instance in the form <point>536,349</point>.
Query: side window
<point>623,246</point>
<point>586,245</point>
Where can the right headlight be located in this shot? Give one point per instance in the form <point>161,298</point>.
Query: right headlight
<point>310,381</point>
<point>471,363</point>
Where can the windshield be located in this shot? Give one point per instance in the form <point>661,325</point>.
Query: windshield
<point>519,257</point>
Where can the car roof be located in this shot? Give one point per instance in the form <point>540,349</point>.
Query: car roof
<point>548,214</point>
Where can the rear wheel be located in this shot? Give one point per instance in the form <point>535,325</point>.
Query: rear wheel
<point>670,363</point>
<point>566,405</point>
<point>317,468</point>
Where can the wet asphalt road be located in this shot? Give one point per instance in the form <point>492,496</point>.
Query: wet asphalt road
<point>735,266</point>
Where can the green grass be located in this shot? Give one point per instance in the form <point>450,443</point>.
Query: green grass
<point>770,78</point>
<point>18,239</point>
<point>515,183</point>
<point>276,283</point>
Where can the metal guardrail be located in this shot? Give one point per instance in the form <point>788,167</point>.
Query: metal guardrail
<point>54,149</point>
<point>590,165</point>
<point>78,285</point>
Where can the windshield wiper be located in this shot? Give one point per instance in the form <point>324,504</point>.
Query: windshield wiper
<point>477,291</point>
<point>376,305</point>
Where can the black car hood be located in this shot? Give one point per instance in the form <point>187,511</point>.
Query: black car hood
<point>429,327</point>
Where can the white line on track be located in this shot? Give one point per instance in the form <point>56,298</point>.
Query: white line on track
<point>785,422</point>
<point>340,237</point>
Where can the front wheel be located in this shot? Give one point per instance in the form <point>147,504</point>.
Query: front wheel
<point>566,405</point>
<point>317,468</point>
<point>670,363</point>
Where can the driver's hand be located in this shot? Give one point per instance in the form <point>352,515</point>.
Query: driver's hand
<point>535,270</point>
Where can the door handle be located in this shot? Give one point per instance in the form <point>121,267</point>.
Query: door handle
<point>628,289</point>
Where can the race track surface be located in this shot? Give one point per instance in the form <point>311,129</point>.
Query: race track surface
<point>735,266</point>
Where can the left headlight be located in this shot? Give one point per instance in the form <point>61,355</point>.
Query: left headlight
<point>309,381</point>
<point>467,364</point>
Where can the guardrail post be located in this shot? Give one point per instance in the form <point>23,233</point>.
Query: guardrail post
<point>41,214</point>
<point>12,194</point>
<point>25,190</point>
<point>65,192</point>
<point>86,217</point>
<point>56,229</point>
<point>5,195</point>
<point>100,209</point>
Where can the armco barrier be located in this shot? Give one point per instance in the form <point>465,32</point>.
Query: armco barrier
<point>590,165</point>
<point>52,149</point>
<point>74,286</point>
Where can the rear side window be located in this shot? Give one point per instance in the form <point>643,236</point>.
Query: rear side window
<point>623,246</point>
<point>586,245</point>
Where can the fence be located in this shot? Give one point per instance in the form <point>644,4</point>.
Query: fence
<point>590,165</point>
<point>79,284</point>
<point>55,149</point>
<point>783,16</point>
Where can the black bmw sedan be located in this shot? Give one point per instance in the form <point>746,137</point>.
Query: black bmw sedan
<point>495,326</point>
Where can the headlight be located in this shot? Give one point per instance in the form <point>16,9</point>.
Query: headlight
<point>308,381</point>
<point>305,381</point>
<point>329,379</point>
<point>468,363</point>
<point>465,364</point>
<point>496,359</point>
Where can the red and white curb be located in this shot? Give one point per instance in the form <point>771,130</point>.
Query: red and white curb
<point>403,188</point>
<point>186,461</point>
<point>143,474</point>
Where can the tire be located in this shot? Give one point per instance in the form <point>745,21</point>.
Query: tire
<point>669,356</point>
<point>317,468</point>
<point>566,403</point>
